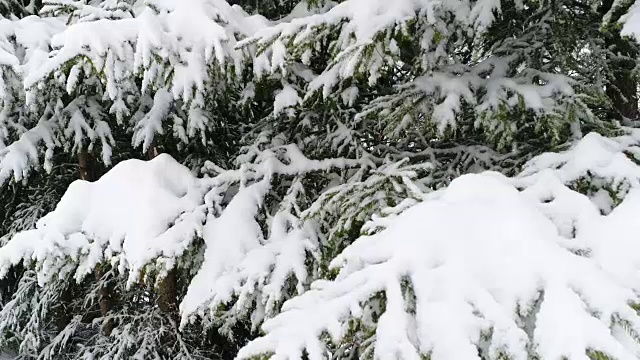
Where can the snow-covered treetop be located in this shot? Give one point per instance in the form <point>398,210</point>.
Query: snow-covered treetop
<point>143,62</point>
<point>24,48</point>
<point>176,40</point>
<point>120,62</point>
<point>442,75</point>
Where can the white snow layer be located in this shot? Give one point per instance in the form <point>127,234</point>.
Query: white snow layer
<point>513,265</point>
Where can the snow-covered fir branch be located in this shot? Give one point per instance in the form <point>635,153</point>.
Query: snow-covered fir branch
<point>408,179</point>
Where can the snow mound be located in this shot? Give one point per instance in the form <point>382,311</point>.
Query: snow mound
<point>138,211</point>
<point>479,264</point>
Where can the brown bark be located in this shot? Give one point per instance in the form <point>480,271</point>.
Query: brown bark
<point>105,301</point>
<point>85,166</point>
<point>167,293</point>
<point>167,288</point>
<point>89,172</point>
<point>61,316</point>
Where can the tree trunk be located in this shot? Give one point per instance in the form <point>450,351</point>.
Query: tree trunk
<point>167,288</point>
<point>167,294</point>
<point>105,301</point>
<point>89,172</point>
<point>86,166</point>
<point>60,312</point>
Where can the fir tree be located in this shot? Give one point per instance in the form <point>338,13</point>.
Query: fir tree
<point>314,179</point>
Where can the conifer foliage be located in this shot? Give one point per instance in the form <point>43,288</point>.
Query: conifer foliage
<point>408,179</point>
